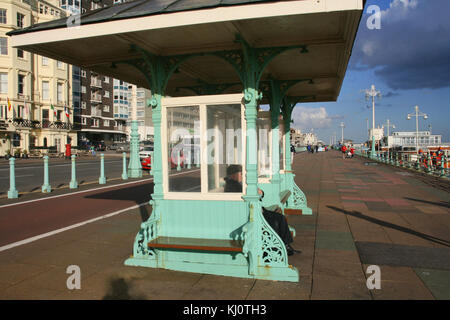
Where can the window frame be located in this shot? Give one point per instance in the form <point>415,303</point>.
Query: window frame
<point>4,46</point>
<point>202,102</point>
<point>3,16</point>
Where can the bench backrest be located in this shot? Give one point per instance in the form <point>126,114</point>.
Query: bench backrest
<point>203,219</point>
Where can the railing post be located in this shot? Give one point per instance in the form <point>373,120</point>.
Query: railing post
<point>188,160</point>
<point>46,186</point>
<point>124,169</point>
<point>73,183</point>
<point>443,160</point>
<point>102,179</point>
<point>429,163</point>
<point>12,193</point>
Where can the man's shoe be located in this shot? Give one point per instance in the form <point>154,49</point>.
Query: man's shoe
<point>291,251</point>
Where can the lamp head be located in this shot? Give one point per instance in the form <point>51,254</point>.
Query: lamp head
<point>408,117</point>
<point>425,117</point>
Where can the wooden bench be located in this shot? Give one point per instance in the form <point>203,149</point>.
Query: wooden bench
<point>196,244</point>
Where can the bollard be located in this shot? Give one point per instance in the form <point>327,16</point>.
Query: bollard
<point>124,170</point>
<point>396,160</point>
<point>46,186</point>
<point>73,183</point>
<point>102,179</point>
<point>188,160</point>
<point>428,169</point>
<point>12,192</point>
<point>442,174</point>
<point>178,162</point>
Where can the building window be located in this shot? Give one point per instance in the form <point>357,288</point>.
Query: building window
<point>106,80</point>
<point>45,90</point>
<point>3,82</point>
<point>3,16</point>
<point>106,94</point>
<point>94,122</point>
<point>83,89</point>
<point>44,61</point>
<point>4,46</point>
<point>105,108</point>
<point>83,104</point>
<point>20,20</point>
<point>60,93</point>
<point>16,140</point>
<point>106,123</point>
<point>20,83</point>
<point>83,121</point>
<point>59,65</point>
<point>20,53</point>
<point>83,73</point>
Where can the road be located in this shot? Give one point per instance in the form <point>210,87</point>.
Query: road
<point>37,216</point>
<point>30,175</point>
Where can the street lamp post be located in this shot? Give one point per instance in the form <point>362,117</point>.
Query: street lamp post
<point>389,125</point>
<point>372,93</point>
<point>417,114</point>
<point>134,166</point>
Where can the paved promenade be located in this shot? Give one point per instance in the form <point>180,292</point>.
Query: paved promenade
<point>363,214</point>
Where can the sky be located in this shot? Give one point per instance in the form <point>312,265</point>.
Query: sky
<point>408,61</point>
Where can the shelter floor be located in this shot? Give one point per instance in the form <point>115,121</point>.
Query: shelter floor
<point>362,215</point>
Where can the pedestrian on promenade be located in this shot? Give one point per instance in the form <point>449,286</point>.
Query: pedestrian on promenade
<point>352,151</point>
<point>292,153</point>
<point>344,151</point>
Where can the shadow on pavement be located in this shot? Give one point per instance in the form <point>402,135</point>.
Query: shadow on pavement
<point>442,203</point>
<point>382,223</point>
<point>119,289</point>
<point>139,194</point>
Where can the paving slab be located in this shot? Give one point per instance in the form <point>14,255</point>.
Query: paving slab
<point>362,215</point>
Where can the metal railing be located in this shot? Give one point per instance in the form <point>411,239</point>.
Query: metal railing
<point>437,165</point>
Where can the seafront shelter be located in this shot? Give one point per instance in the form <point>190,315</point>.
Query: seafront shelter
<point>215,62</point>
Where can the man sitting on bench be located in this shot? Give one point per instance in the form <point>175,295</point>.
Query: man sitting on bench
<point>276,220</point>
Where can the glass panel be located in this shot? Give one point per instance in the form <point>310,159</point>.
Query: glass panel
<point>183,150</point>
<point>224,146</point>
<point>264,147</point>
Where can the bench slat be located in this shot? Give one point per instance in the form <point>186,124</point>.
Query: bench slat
<point>293,212</point>
<point>196,244</point>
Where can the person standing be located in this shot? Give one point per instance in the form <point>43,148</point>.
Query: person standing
<point>344,150</point>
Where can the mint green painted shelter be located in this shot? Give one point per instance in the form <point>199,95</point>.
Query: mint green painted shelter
<point>211,65</point>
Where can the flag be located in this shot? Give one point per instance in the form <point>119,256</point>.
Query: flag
<point>67,112</point>
<point>9,105</point>
<point>53,108</point>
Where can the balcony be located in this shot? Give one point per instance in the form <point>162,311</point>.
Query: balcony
<point>96,83</point>
<point>47,124</point>
<point>96,113</point>
<point>96,98</point>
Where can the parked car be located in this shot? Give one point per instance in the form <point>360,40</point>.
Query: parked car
<point>146,152</point>
<point>147,163</point>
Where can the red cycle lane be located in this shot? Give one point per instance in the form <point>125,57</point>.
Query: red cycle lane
<point>25,220</point>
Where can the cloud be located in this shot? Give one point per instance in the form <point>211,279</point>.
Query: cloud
<point>308,118</point>
<point>390,94</point>
<point>412,48</point>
